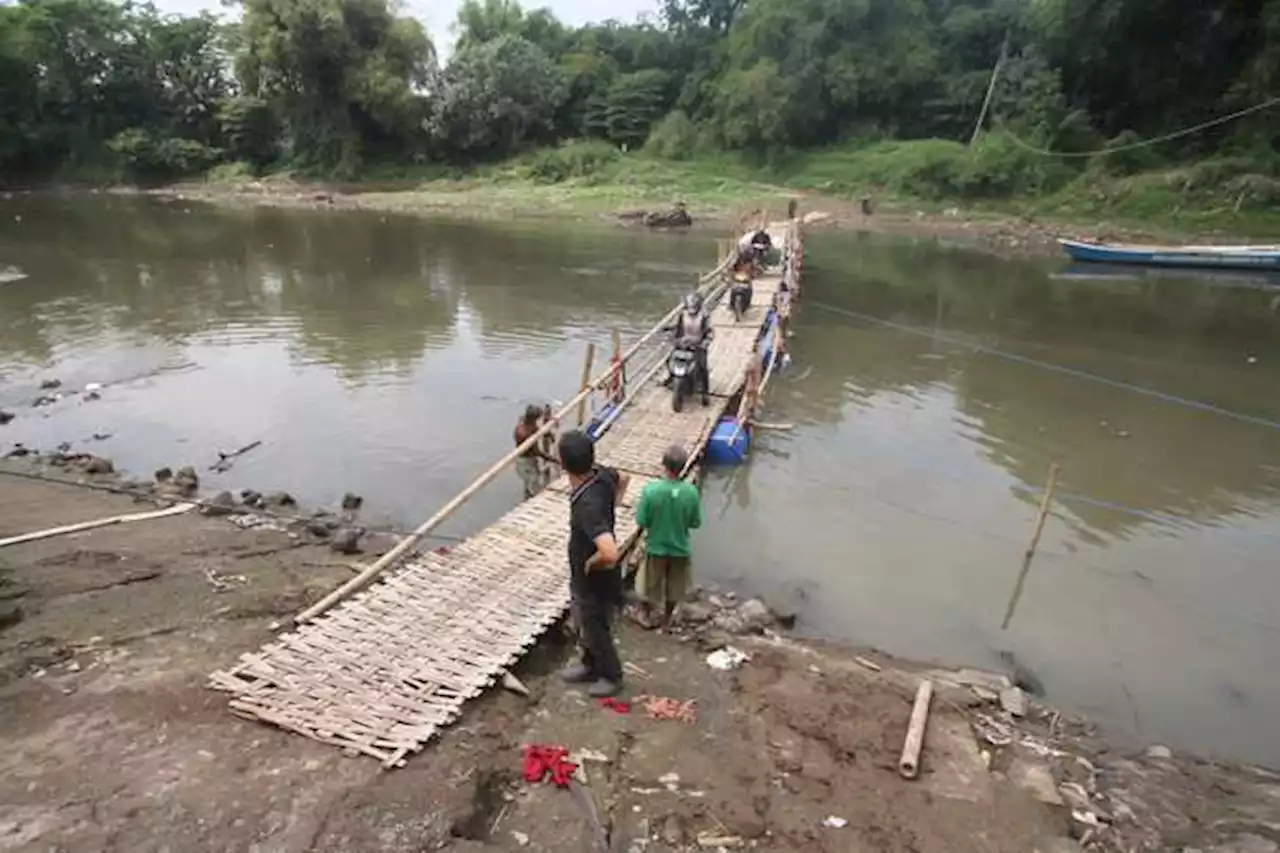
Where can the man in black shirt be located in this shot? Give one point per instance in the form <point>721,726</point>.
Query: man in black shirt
<point>595,581</point>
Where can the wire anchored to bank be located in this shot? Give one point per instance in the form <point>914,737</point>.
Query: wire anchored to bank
<point>1186,402</point>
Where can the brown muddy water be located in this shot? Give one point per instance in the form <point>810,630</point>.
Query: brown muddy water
<point>389,356</point>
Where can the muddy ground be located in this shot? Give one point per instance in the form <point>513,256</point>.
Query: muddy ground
<point>113,741</point>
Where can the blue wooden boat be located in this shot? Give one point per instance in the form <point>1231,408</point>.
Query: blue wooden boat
<point>1234,257</point>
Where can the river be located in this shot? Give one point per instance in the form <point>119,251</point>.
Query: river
<point>931,389</point>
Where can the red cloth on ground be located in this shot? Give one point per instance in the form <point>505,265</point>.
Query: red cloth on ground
<point>616,705</point>
<point>541,759</point>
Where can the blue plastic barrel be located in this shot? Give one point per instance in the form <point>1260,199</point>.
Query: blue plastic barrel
<point>724,448</point>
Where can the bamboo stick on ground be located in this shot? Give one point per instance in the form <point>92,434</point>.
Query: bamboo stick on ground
<point>909,763</point>
<point>92,525</point>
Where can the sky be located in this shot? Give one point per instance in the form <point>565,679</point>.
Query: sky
<point>438,15</point>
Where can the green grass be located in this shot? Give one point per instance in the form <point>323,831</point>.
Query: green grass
<point>995,177</point>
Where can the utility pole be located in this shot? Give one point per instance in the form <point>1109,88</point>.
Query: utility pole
<point>991,88</point>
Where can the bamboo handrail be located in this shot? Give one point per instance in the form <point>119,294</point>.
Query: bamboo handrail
<point>380,565</point>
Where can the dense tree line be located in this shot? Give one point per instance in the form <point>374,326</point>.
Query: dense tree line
<point>332,86</point>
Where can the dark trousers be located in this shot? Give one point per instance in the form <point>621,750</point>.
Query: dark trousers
<point>595,600</point>
<point>703,381</point>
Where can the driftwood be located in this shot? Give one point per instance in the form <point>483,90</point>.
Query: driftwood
<point>226,460</point>
<point>909,764</point>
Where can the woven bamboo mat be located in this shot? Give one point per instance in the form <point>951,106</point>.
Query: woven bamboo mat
<point>383,672</point>
<point>637,441</point>
<point>731,350</point>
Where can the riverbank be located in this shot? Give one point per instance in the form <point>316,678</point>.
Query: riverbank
<point>909,187</point>
<point>115,742</point>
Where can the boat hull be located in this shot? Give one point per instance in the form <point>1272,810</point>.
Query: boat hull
<point>1221,257</point>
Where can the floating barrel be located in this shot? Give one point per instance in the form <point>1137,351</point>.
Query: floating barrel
<point>728,445</point>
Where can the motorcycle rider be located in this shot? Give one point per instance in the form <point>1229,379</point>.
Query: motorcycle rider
<point>754,247</point>
<point>693,331</point>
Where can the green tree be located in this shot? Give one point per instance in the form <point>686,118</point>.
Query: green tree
<point>633,103</point>
<point>345,75</point>
<point>480,21</point>
<point>250,131</point>
<point>495,96</point>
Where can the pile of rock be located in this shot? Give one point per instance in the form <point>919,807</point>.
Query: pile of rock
<point>86,462</point>
<point>709,613</point>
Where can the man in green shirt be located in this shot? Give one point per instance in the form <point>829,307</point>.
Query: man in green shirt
<point>669,508</point>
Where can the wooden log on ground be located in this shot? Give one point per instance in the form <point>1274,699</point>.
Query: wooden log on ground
<point>909,763</point>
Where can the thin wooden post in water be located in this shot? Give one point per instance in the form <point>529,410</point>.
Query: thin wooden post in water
<point>586,381</point>
<point>1031,549</point>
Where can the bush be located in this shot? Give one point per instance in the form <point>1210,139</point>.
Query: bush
<point>676,137</point>
<point>997,167</point>
<point>230,172</point>
<point>146,156</point>
<point>1127,162</point>
<point>934,169</point>
<point>571,160</point>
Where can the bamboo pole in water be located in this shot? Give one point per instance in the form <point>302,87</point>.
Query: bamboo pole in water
<point>405,545</point>
<point>585,384</point>
<point>1041,517</point>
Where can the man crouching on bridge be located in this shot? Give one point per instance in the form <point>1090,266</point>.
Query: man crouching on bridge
<point>595,580</point>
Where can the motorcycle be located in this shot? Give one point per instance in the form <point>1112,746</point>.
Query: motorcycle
<point>682,364</point>
<point>740,297</point>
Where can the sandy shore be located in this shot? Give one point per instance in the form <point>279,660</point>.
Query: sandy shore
<point>115,742</point>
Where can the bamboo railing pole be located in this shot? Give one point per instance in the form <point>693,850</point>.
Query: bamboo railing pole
<point>585,384</point>
<point>405,545</point>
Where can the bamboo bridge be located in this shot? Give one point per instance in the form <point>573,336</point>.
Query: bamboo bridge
<point>382,664</point>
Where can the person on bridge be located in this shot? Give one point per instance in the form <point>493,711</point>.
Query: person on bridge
<point>668,510</point>
<point>754,248</point>
<point>595,579</point>
<point>529,464</point>
<point>693,330</point>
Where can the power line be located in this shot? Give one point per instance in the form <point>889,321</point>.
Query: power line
<point>1142,143</point>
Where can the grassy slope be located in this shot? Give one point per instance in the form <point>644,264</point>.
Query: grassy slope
<point>926,175</point>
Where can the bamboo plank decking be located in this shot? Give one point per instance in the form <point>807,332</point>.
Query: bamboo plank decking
<point>382,672</point>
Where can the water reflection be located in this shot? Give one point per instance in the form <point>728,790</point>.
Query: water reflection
<point>913,478</point>
<point>386,355</point>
